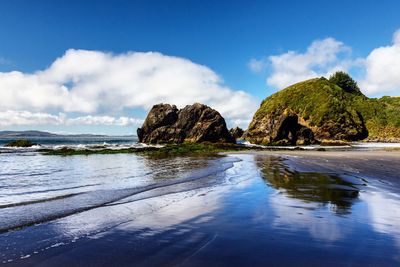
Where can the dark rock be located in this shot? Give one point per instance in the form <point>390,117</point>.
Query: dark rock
<point>305,135</point>
<point>160,115</point>
<point>21,143</point>
<point>283,129</point>
<point>236,132</point>
<point>195,123</point>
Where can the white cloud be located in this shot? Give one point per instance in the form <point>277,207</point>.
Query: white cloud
<point>10,117</point>
<point>382,68</point>
<point>322,58</point>
<point>103,120</point>
<point>91,82</point>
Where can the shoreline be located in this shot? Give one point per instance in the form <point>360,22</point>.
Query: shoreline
<point>194,148</point>
<point>332,153</point>
<point>200,149</point>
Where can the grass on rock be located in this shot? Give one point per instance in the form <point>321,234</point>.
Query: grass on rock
<point>184,149</point>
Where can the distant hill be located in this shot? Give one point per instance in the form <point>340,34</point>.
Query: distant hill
<point>9,134</point>
<point>25,134</point>
<point>329,111</point>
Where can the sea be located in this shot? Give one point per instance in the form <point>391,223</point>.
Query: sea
<point>230,209</point>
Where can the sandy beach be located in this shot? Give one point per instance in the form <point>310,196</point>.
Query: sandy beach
<point>281,208</point>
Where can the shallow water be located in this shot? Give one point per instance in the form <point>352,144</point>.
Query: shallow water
<point>74,142</point>
<point>236,210</point>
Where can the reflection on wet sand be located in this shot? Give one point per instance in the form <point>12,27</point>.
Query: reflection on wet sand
<point>323,188</point>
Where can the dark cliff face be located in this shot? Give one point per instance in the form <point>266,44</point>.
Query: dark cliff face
<point>194,123</point>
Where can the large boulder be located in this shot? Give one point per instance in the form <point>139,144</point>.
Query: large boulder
<point>194,123</point>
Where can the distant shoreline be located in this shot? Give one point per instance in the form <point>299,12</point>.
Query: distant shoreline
<point>37,134</point>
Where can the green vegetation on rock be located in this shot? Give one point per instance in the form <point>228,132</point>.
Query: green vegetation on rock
<point>382,117</point>
<point>331,112</point>
<point>344,81</point>
<point>71,152</point>
<point>183,149</point>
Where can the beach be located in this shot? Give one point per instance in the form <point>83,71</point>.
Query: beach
<point>199,133</point>
<point>280,208</point>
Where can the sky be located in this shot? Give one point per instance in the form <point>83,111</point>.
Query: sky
<point>99,66</point>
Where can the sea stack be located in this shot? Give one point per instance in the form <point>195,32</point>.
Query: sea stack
<point>310,111</point>
<point>195,123</point>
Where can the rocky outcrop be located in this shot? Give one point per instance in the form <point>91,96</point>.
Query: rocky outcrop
<point>236,132</point>
<point>194,123</point>
<point>308,112</point>
<point>283,129</point>
<point>21,143</point>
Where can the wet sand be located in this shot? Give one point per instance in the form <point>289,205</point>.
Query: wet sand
<point>286,208</point>
<point>378,165</point>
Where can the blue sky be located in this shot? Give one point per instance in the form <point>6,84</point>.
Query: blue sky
<point>223,36</point>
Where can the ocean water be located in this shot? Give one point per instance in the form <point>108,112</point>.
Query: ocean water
<point>76,142</point>
<point>228,210</point>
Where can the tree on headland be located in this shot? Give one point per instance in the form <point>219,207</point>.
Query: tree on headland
<point>343,80</point>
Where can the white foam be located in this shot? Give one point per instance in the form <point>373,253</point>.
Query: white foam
<point>376,145</point>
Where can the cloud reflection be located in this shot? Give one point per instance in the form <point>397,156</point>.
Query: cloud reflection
<point>384,213</point>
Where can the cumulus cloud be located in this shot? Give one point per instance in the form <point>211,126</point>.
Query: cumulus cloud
<point>322,58</point>
<point>10,117</point>
<point>103,120</point>
<point>90,82</point>
<point>382,69</point>
<point>377,73</point>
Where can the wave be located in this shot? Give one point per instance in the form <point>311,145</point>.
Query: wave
<point>51,190</point>
<point>80,146</point>
<point>29,213</point>
<point>24,203</point>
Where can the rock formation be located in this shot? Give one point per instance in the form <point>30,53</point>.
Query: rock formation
<point>21,143</point>
<point>309,111</point>
<point>194,123</point>
<point>283,129</point>
<point>236,132</point>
